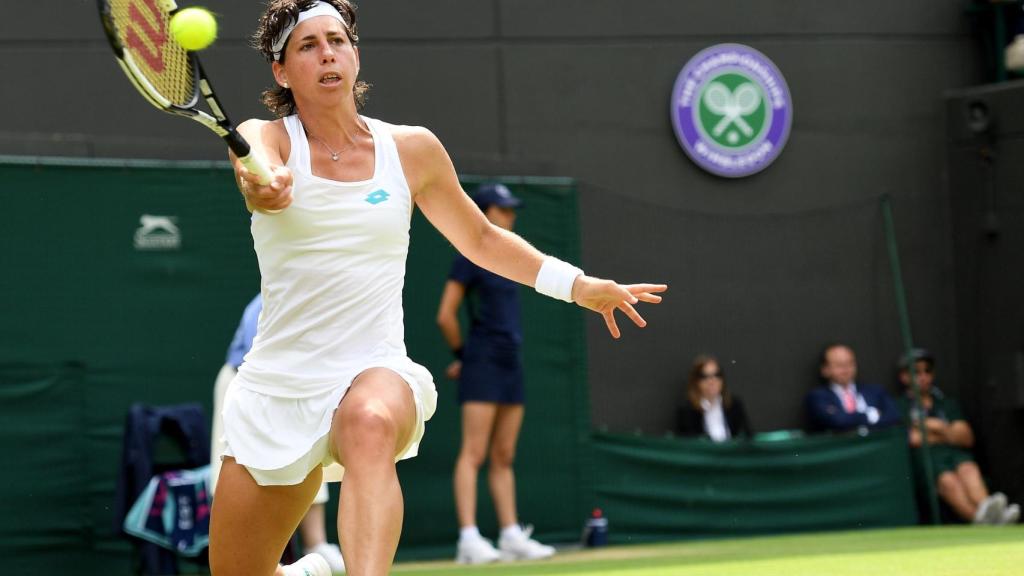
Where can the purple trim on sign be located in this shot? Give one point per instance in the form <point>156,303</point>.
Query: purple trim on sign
<point>709,155</point>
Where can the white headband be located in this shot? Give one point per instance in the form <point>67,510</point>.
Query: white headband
<point>318,9</point>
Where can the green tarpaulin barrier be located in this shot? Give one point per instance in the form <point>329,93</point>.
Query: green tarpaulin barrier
<point>657,488</point>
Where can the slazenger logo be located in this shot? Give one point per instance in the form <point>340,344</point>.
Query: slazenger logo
<point>731,110</point>
<point>157,233</point>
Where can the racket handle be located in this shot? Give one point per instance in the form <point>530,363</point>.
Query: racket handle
<point>251,160</point>
<point>256,165</point>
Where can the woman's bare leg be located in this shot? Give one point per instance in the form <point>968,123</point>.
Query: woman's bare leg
<point>500,475</point>
<point>250,525</point>
<point>477,424</point>
<point>372,423</point>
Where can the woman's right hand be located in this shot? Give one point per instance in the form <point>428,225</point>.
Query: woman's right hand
<point>268,198</point>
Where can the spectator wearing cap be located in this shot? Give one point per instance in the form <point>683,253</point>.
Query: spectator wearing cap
<point>841,403</point>
<point>957,478</point>
<point>489,370</point>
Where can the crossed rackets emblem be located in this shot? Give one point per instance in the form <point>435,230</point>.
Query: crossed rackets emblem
<point>732,106</point>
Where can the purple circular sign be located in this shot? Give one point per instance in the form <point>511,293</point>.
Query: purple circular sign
<point>731,110</point>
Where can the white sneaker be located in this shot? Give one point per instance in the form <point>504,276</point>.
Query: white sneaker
<point>522,547</point>
<point>309,565</point>
<point>991,509</point>
<point>332,554</point>
<point>1011,515</point>
<point>478,550</point>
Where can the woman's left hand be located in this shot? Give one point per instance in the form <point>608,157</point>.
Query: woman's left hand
<point>607,296</point>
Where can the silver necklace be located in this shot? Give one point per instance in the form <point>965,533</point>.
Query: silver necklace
<point>334,155</point>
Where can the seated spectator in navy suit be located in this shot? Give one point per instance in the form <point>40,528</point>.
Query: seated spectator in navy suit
<point>709,409</point>
<point>841,403</point>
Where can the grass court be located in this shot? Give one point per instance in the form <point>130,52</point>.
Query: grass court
<point>919,551</point>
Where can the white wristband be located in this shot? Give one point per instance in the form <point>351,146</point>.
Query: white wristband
<point>556,278</point>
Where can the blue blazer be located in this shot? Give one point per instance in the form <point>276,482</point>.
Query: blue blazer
<point>826,412</point>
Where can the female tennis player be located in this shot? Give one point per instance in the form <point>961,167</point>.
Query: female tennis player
<point>328,383</point>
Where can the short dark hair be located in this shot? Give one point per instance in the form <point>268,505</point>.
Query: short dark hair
<point>914,356</point>
<point>278,15</point>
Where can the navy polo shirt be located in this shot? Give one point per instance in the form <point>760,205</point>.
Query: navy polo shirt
<point>492,301</point>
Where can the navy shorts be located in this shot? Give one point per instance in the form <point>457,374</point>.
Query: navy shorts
<point>491,373</point>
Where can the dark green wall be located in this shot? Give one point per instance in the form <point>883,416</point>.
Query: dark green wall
<point>580,88</point>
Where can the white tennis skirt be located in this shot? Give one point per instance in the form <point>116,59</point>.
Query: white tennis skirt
<point>280,440</point>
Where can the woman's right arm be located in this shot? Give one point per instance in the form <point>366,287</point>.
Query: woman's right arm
<point>267,140</point>
<point>448,322</point>
<point>448,314</point>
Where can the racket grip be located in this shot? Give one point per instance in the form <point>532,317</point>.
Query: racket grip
<point>256,165</point>
<point>251,160</point>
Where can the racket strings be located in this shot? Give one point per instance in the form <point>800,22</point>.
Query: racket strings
<point>143,28</point>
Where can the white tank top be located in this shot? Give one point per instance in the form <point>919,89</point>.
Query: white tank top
<point>333,268</point>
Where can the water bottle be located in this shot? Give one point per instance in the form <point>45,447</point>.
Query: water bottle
<point>595,530</point>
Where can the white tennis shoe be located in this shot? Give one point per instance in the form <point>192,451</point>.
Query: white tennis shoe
<point>1011,515</point>
<point>309,565</point>
<point>520,546</point>
<point>475,550</point>
<point>991,509</point>
<point>332,554</point>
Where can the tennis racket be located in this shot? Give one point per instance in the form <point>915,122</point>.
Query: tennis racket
<point>167,75</point>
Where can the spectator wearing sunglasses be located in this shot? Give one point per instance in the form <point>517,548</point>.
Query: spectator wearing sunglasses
<point>709,409</point>
<point>957,478</point>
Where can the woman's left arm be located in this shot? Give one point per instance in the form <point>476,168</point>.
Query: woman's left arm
<point>436,190</point>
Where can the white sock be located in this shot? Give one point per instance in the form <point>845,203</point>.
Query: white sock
<point>512,531</point>
<point>469,533</point>
<point>308,565</point>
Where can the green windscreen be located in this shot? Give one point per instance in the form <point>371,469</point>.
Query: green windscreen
<point>123,282</point>
<point>660,488</point>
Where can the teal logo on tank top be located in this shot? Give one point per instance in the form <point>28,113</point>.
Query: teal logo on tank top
<point>377,196</point>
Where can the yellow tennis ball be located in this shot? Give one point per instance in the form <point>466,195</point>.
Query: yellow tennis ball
<point>194,28</point>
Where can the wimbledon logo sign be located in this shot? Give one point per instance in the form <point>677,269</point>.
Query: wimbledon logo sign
<point>731,110</point>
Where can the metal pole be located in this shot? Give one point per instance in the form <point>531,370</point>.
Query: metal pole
<point>908,345</point>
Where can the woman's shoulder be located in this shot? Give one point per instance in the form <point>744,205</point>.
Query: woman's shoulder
<point>266,130</point>
<point>411,136</point>
<point>273,124</point>
<point>271,133</point>
<point>421,152</point>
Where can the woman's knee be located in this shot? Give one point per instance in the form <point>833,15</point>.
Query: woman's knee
<point>375,418</point>
<point>473,454</point>
<point>502,455</point>
<point>367,426</point>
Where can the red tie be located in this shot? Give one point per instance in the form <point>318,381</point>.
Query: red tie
<point>849,401</point>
